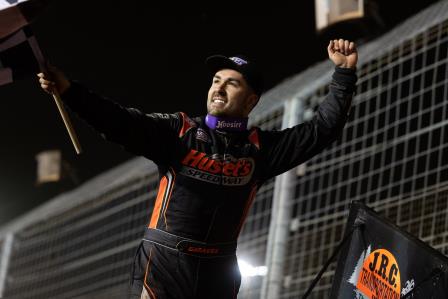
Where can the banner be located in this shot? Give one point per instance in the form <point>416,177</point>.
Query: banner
<point>382,261</point>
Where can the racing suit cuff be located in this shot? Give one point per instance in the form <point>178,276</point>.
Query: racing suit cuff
<point>346,77</point>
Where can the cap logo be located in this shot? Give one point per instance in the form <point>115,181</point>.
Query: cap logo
<point>238,60</point>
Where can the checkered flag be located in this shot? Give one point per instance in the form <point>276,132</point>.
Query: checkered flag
<point>15,14</point>
<point>20,56</point>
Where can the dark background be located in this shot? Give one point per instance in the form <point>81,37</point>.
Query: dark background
<point>150,56</point>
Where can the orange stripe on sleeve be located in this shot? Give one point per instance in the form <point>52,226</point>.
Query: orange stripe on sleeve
<point>253,138</point>
<point>186,124</point>
<point>158,204</point>
<point>171,187</point>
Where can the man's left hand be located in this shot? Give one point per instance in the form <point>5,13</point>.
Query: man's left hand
<point>343,53</point>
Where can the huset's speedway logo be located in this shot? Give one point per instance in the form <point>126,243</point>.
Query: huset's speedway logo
<point>377,276</point>
<point>216,170</point>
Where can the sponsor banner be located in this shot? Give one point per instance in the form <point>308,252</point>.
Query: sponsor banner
<point>382,261</point>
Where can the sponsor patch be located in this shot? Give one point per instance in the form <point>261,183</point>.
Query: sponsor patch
<point>202,135</point>
<point>221,124</point>
<point>238,60</point>
<point>216,170</point>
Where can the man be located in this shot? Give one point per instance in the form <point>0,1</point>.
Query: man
<point>210,169</point>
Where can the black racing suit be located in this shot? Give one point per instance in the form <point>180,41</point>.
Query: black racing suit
<point>208,180</point>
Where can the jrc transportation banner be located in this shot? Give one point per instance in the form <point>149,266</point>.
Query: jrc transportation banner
<point>382,261</point>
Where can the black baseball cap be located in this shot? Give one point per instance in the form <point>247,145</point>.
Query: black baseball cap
<point>241,64</point>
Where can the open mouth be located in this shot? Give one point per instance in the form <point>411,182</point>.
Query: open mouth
<point>218,99</point>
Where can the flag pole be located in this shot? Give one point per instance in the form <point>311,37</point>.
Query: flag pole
<point>67,122</point>
<point>43,65</point>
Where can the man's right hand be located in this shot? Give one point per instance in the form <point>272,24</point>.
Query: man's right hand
<point>53,80</point>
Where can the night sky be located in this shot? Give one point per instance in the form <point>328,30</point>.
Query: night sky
<point>150,56</point>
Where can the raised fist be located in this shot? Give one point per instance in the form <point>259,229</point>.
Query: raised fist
<point>343,53</point>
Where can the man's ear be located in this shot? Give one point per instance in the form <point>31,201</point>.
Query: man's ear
<point>252,101</point>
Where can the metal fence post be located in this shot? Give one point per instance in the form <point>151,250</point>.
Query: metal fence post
<point>4,261</point>
<point>281,213</point>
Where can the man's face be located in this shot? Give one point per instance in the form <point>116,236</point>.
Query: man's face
<point>229,95</point>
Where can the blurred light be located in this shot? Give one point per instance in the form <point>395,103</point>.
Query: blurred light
<point>48,166</point>
<point>247,270</point>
